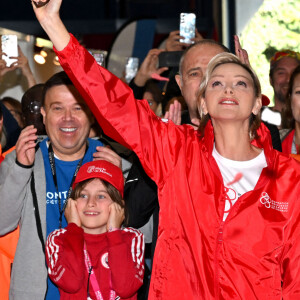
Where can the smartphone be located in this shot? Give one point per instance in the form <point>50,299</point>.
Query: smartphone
<point>9,45</point>
<point>187,27</point>
<point>131,68</point>
<point>99,57</point>
<point>169,58</point>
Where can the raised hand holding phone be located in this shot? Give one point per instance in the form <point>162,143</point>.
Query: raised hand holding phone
<point>9,46</point>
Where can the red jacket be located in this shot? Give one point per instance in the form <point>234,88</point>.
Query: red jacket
<point>117,259</point>
<point>198,256</point>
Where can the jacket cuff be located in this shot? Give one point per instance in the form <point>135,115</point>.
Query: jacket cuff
<point>69,48</point>
<point>24,166</point>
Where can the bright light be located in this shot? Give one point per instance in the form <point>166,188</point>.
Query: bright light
<point>39,59</point>
<point>43,43</point>
<point>56,61</point>
<point>43,53</point>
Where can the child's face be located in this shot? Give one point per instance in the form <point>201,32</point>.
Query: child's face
<point>93,207</point>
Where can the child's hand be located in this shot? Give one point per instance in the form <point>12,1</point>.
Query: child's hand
<point>71,212</point>
<point>116,216</point>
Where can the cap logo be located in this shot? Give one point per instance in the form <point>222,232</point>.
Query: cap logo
<point>95,169</point>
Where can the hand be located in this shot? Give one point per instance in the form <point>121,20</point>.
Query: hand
<point>71,212</point>
<point>44,9</point>
<point>105,153</point>
<point>2,62</point>
<point>48,16</point>
<point>22,63</point>
<point>198,37</point>
<point>3,68</point>
<point>25,146</point>
<point>174,113</point>
<point>195,123</point>
<point>173,43</point>
<point>116,216</point>
<point>149,67</point>
<point>239,52</point>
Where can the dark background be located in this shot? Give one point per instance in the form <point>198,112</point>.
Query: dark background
<point>96,22</point>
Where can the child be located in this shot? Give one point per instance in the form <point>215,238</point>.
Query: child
<point>93,258</point>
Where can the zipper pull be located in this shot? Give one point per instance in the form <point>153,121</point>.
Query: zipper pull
<point>220,233</point>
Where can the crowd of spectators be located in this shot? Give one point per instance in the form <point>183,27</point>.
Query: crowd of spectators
<point>194,167</point>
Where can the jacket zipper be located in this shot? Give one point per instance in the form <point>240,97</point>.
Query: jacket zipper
<point>217,256</point>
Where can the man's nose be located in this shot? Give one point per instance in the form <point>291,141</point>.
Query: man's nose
<point>68,114</point>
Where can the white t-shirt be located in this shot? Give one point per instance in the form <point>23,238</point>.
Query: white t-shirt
<point>250,171</point>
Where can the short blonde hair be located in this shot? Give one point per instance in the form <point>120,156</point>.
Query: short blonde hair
<point>222,59</point>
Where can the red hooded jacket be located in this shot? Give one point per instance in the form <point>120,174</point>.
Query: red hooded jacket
<point>255,253</point>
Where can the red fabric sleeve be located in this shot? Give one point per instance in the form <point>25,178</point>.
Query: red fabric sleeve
<point>129,122</point>
<point>126,261</point>
<point>65,258</point>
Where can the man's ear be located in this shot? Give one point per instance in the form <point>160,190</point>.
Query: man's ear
<point>43,112</point>
<point>1,125</point>
<point>203,105</point>
<point>271,81</point>
<point>178,80</point>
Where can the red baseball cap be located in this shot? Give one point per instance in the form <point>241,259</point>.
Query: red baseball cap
<point>104,170</point>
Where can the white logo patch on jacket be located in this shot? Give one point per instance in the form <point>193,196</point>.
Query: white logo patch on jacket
<point>269,203</point>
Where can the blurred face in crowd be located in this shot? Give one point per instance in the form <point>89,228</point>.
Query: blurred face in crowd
<point>152,103</point>
<point>16,113</point>
<point>67,120</point>
<point>193,68</point>
<point>295,99</point>
<point>281,77</point>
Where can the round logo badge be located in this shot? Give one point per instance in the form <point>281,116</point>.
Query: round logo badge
<point>104,260</point>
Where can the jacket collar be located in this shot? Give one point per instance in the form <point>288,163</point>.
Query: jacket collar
<point>264,141</point>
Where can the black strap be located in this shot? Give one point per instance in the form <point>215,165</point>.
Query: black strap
<point>37,212</point>
<point>53,171</point>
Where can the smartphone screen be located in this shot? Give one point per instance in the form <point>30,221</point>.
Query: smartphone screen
<point>9,44</point>
<point>187,27</point>
<point>131,68</point>
<point>99,57</point>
